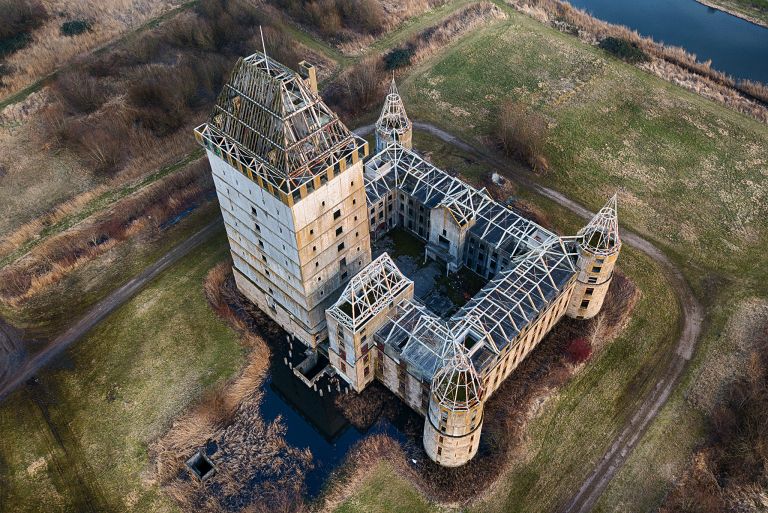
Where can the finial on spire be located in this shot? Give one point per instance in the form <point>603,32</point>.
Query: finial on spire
<point>264,48</point>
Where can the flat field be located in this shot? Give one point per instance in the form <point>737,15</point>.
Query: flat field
<point>76,439</point>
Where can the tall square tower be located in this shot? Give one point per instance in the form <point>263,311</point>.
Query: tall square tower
<point>289,178</point>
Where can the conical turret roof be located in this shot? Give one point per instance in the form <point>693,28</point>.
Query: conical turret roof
<point>393,117</point>
<point>456,385</point>
<point>601,235</point>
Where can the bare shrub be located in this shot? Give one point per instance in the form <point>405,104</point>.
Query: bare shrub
<point>523,134</point>
<point>728,473</point>
<point>578,350</point>
<point>358,88</point>
<point>352,23</point>
<point>17,19</point>
<point>80,91</point>
<point>160,96</point>
<point>755,89</point>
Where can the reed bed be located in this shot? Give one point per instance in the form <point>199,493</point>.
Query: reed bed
<point>255,469</point>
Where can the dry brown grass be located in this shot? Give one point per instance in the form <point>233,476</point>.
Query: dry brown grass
<point>363,458</point>
<point>50,49</point>
<point>146,210</point>
<point>671,63</point>
<point>730,474</point>
<point>255,469</point>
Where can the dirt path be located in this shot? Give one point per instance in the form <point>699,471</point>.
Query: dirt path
<point>666,379</point>
<point>102,309</point>
<point>41,82</point>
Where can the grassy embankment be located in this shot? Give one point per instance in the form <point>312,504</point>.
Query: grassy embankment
<point>77,441</point>
<point>755,11</point>
<point>691,176</point>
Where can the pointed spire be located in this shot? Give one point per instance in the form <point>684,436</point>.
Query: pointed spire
<point>601,235</point>
<point>393,124</point>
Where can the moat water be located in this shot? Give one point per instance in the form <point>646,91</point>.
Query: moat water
<point>735,46</point>
<point>312,421</point>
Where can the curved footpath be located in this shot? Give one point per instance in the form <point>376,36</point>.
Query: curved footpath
<point>614,458</point>
<point>102,309</point>
<point>666,378</point>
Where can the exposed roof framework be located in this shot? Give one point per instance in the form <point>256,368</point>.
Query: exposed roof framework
<point>369,292</point>
<point>457,385</point>
<point>393,118</point>
<point>269,121</point>
<point>489,321</point>
<point>601,235</point>
<point>513,299</point>
<point>396,167</point>
<point>428,345</point>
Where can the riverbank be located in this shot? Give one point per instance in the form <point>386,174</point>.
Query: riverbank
<point>729,8</point>
<point>671,63</point>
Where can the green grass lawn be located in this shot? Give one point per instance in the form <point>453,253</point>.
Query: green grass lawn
<point>79,440</point>
<point>691,173</point>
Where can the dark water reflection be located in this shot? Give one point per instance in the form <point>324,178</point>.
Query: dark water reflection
<point>314,422</point>
<point>735,46</point>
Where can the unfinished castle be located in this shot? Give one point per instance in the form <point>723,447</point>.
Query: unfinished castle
<point>302,200</point>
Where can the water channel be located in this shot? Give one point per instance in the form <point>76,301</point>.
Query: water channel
<point>735,46</point>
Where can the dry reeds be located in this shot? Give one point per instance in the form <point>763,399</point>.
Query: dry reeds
<point>671,63</point>
<point>731,472</point>
<point>523,134</point>
<point>51,260</point>
<point>255,469</point>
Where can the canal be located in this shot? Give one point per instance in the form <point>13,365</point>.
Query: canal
<point>735,46</point>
